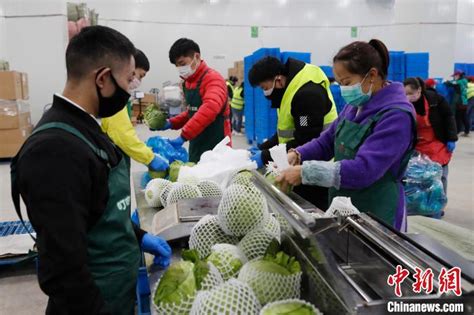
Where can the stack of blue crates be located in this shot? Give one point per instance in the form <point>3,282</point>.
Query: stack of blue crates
<point>338,100</point>
<point>444,90</point>
<point>417,65</point>
<point>396,67</point>
<point>260,118</point>
<point>467,68</point>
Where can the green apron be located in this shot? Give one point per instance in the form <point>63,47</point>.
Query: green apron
<point>113,250</point>
<point>381,198</point>
<point>213,134</point>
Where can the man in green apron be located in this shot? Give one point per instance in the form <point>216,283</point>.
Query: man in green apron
<point>206,121</point>
<point>76,186</point>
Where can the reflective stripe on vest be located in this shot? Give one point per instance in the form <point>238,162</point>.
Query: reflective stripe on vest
<point>229,84</point>
<point>237,101</point>
<point>286,123</point>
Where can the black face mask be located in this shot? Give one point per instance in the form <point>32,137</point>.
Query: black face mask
<point>109,106</point>
<point>276,97</point>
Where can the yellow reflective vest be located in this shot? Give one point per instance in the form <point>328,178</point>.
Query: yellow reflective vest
<point>120,130</point>
<point>237,100</point>
<point>286,123</point>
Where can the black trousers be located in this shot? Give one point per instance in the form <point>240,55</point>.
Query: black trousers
<point>463,121</point>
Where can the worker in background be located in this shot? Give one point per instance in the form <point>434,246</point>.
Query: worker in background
<point>364,153</point>
<point>470,101</point>
<point>206,121</point>
<point>237,107</point>
<point>76,186</point>
<point>436,127</point>
<point>231,84</point>
<point>459,101</point>
<point>120,130</point>
<point>301,94</point>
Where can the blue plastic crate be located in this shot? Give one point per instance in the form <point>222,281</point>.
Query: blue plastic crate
<point>467,68</point>
<point>338,100</point>
<point>399,77</point>
<point>302,56</point>
<point>8,228</point>
<point>397,62</point>
<point>249,110</point>
<point>423,75</point>
<point>327,71</point>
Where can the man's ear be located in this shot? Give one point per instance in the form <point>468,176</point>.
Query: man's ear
<point>101,76</point>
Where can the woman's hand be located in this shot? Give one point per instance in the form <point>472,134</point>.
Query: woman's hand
<point>289,177</point>
<point>293,158</point>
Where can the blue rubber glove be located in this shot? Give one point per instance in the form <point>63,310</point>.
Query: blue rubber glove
<point>165,127</point>
<point>253,150</point>
<point>157,246</point>
<point>159,163</point>
<point>257,157</point>
<point>451,145</point>
<point>161,261</point>
<point>178,142</point>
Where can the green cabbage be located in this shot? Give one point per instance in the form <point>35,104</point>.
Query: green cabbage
<point>289,307</point>
<point>177,282</point>
<point>227,258</point>
<point>242,178</point>
<point>271,178</point>
<point>201,268</point>
<point>154,118</point>
<point>174,169</point>
<point>158,174</point>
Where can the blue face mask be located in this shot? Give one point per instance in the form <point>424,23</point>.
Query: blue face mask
<point>353,94</point>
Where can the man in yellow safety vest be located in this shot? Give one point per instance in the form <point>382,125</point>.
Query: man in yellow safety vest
<point>237,107</point>
<point>300,92</point>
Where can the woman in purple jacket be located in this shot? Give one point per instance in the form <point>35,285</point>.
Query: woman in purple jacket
<point>364,153</point>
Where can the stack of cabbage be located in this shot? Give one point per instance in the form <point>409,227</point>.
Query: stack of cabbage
<point>154,118</point>
<point>160,192</point>
<point>242,243</point>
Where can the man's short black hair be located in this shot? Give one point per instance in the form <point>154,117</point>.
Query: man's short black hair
<point>265,69</point>
<point>95,47</point>
<point>141,61</point>
<point>183,47</point>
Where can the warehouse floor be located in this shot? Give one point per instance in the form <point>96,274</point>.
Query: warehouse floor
<point>19,288</point>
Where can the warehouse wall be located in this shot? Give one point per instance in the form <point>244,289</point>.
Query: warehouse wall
<point>2,33</point>
<point>36,33</point>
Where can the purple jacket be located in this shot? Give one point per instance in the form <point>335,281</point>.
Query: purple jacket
<point>383,150</point>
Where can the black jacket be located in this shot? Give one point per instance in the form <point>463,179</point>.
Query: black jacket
<point>64,187</point>
<point>308,108</point>
<point>441,116</point>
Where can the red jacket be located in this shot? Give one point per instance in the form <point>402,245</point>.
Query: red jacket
<point>213,93</point>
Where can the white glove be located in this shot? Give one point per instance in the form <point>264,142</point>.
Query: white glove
<point>321,173</point>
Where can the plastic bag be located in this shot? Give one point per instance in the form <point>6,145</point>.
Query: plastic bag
<point>162,146</point>
<point>424,191</point>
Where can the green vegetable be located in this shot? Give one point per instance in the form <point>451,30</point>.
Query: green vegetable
<point>201,268</point>
<point>289,307</point>
<point>242,178</point>
<point>154,118</point>
<point>177,282</point>
<point>227,258</point>
<point>158,174</point>
<point>174,170</point>
<point>271,178</point>
<point>283,260</point>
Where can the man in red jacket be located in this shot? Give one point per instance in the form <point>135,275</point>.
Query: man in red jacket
<point>206,121</point>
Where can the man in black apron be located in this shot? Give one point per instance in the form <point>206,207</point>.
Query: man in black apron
<point>76,186</point>
<point>206,121</point>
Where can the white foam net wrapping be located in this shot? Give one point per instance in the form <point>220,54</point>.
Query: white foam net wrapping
<point>228,259</point>
<point>231,298</point>
<point>242,178</point>
<point>242,209</point>
<point>272,226</point>
<point>182,191</point>
<point>206,233</point>
<point>341,206</point>
<point>188,179</point>
<point>269,286</point>
<point>272,308</point>
<point>153,191</point>
<point>285,227</point>
<point>255,244</point>
<point>209,188</point>
<point>212,280</point>
<point>164,194</point>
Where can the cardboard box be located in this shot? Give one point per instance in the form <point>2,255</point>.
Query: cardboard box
<point>15,121</point>
<point>24,86</point>
<point>239,65</point>
<point>11,140</point>
<point>10,85</point>
<point>149,98</point>
<point>232,72</point>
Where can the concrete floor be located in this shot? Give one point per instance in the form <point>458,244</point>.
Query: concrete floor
<point>19,290</point>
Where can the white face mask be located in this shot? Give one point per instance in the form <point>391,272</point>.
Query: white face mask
<point>270,90</point>
<point>187,70</point>
<point>135,84</point>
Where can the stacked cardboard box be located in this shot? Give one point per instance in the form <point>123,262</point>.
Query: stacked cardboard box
<point>15,117</point>
<point>237,71</point>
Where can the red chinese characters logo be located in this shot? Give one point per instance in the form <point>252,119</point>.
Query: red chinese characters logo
<point>450,281</point>
<point>423,280</point>
<point>397,279</point>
